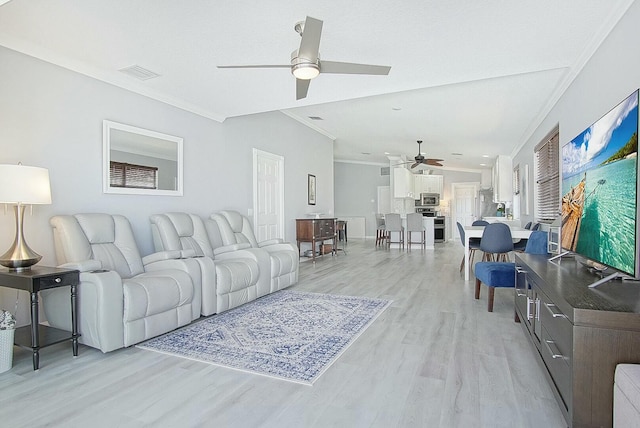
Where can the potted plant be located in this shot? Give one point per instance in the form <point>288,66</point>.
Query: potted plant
<point>7,330</point>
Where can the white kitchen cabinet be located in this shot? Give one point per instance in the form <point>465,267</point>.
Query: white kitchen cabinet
<point>503,179</point>
<point>428,184</point>
<point>402,183</point>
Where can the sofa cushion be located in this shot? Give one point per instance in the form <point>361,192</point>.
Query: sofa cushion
<point>496,274</point>
<point>156,292</point>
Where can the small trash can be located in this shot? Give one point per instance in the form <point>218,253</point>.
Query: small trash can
<point>7,331</point>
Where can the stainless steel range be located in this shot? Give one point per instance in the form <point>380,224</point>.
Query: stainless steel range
<point>438,229</point>
<point>438,221</point>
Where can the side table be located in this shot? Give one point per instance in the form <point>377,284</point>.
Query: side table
<point>33,280</point>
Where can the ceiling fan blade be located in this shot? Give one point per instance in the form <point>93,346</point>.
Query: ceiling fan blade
<point>337,67</point>
<point>302,87</point>
<point>255,66</point>
<point>415,164</point>
<point>310,43</point>
<point>434,162</point>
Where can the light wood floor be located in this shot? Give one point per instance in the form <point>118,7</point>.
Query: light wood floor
<point>435,358</point>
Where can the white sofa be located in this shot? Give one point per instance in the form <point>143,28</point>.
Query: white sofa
<point>284,257</point>
<point>626,396</point>
<point>231,276</point>
<point>123,299</point>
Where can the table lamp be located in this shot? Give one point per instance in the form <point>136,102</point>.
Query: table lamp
<point>21,186</point>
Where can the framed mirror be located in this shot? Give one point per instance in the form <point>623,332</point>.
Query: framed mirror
<point>138,161</point>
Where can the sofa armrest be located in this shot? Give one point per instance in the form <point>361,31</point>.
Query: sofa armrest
<point>270,242</point>
<point>83,265</point>
<point>100,309</point>
<point>164,255</point>
<point>231,248</point>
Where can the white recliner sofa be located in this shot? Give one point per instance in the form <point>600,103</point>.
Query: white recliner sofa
<point>123,299</point>
<point>234,228</point>
<point>231,276</point>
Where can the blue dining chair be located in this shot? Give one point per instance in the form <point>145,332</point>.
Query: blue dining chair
<point>496,239</point>
<point>503,274</point>
<point>535,226</point>
<point>522,244</point>
<point>474,244</point>
<point>480,223</point>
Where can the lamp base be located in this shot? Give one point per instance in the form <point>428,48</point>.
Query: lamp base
<point>19,257</point>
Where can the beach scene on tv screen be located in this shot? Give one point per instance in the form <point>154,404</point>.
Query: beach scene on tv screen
<point>599,204</point>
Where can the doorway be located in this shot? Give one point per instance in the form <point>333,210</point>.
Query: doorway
<point>465,205</point>
<point>268,195</point>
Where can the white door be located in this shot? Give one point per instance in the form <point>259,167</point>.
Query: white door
<point>464,205</point>
<point>268,195</point>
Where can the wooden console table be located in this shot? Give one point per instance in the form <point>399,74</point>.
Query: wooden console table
<point>316,230</point>
<point>33,280</point>
<point>579,333</point>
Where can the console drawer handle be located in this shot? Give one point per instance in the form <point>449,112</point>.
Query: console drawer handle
<point>555,314</point>
<point>555,352</point>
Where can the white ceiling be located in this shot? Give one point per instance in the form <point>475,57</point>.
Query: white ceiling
<point>469,77</point>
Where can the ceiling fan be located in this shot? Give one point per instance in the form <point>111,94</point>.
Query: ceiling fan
<point>420,159</point>
<point>305,61</point>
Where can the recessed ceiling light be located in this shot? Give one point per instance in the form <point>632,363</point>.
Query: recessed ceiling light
<point>456,154</point>
<point>483,164</point>
<point>396,108</point>
<point>386,153</point>
<point>315,118</point>
<point>366,153</point>
<point>486,156</point>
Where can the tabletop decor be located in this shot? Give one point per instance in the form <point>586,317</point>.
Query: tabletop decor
<point>288,335</point>
<point>20,186</point>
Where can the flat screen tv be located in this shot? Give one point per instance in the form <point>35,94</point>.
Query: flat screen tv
<point>600,191</point>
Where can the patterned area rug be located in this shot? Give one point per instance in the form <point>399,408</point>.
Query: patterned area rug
<point>289,335</point>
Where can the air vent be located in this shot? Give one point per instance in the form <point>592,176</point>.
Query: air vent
<point>315,118</point>
<point>139,73</point>
<point>385,170</point>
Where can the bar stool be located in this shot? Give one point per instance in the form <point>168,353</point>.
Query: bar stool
<point>393,224</point>
<point>414,224</point>
<point>341,230</point>
<point>380,230</point>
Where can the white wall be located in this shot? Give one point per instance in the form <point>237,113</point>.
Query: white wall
<point>610,75</point>
<point>356,192</point>
<point>52,117</point>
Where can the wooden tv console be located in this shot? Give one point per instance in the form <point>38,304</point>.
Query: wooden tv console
<point>579,333</point>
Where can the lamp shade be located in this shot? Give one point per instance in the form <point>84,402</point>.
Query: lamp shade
<point>20,184</point>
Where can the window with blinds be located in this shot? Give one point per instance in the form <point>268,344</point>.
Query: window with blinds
<point>133,176</point>
<point>516,180</point>
<point>547,170</point>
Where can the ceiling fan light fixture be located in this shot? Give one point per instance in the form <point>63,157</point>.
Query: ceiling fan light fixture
<point>305,70</point>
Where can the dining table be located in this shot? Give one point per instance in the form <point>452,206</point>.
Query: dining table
<point>517,233</point>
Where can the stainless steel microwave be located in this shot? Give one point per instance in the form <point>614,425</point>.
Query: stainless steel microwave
<point>429,199</point>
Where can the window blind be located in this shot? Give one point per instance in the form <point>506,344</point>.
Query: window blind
<point>133,176</point>
<point>547,169</point>
<point>516,180</point>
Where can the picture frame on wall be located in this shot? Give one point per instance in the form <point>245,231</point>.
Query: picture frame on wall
<point>311,189</point>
